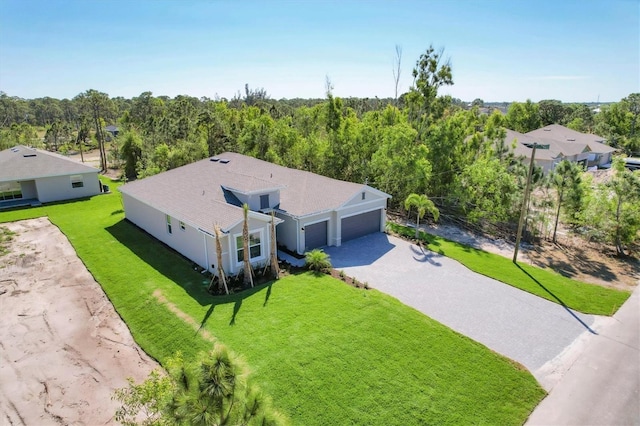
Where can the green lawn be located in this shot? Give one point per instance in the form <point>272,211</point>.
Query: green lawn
<point>327,353</point>
<point>583,297</point>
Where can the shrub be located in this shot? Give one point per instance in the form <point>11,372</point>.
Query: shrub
<point>317,260</point>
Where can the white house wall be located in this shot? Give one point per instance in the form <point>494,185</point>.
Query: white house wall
<point>188,242</point>
<point>254,200</point>
<point>195,245</point>
<point>28,188</point>
<point>287,232</point>
<point>255,225</point>
<point>58,188</point>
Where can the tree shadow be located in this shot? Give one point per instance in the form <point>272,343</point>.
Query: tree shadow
<point>268,294</point>
<point>557,299</point>
<point>162,258</point>
<point>424,255</point>
<point>206,316</point>
<point>236,309</point>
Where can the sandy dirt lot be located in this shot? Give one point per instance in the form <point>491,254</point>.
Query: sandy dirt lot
<point>63,348</point>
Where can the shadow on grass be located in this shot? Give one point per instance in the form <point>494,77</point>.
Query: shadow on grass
<point>556,298</point>
<point>237,299</point>
<point>176,267</point>
<point>161,258</point>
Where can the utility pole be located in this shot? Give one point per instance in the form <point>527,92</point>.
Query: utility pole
<point>525,201</point>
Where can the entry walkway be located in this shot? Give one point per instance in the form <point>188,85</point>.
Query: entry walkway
<point>528,329</point>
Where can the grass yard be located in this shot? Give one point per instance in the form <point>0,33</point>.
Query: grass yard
<point>583,297</point>
<point>327,353</point>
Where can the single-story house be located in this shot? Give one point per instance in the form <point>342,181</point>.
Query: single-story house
<point>585,148</point>
<point>556,143</point>
<point>546,156</point>
<point>112,129</point>
<point>29,176</point>
<point>180,207</point>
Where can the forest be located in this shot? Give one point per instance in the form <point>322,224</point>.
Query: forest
<point>420,142</point>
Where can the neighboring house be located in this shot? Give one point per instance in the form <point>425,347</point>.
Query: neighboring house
<point>29,176</point>
<point>546,157</point>
<point>113,130</point>
<point>555,143</point>
<point>181,206</point>
<point>585,148</point>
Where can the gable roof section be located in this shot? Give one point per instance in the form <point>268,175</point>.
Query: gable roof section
<point>565,135</point>
<point>23,163</point>
<point>521,148</point>
<point>196,191</point>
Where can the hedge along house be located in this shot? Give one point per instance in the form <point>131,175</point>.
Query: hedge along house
<point>181,206</point>
<point>32,176</point>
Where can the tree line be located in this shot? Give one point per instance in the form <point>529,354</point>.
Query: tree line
<point>419,143</point>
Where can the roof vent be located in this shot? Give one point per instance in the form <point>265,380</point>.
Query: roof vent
<point>15,149</point>
<point>29,155</point>
<point>547,130</point>
<point>224,160</point>
<point>571,140</point>
<point>214,159</point>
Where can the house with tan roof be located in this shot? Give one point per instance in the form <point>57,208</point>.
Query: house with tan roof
<point>181,207</point>
<point>32,176</point>
<point>555,143</point>
<point>585,148</point>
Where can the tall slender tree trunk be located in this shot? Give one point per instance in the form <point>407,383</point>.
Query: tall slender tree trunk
<point>275,268</point>
<point>555,228</point>
<point>248,277</point>
<point>221,275</point>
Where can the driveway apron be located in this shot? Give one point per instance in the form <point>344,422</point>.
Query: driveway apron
<point>519,325</point>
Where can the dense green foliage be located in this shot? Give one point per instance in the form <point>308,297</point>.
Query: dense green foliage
<point>326,353</point>
<point>317,260</point>
<point>421,143</point>
<point>583,297</point>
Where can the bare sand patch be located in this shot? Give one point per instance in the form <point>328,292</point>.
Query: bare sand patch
<point>63,347</point>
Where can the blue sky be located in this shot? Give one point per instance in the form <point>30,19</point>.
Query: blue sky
<point>500,50</point>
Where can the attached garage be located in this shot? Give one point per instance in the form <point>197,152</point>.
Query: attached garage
<point>360,225</point>
<point>315,235</point>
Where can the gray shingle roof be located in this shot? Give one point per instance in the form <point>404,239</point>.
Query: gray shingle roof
<point>22,163</point>
<point>195,192</point>
<point>521,148</point>
<point>568,136</point>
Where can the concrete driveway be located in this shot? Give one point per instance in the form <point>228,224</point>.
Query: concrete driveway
<point>539,334</point>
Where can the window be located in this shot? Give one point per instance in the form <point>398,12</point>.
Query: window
<point>76,181</point>
<point>10,191</point>
<point>255,249</point>
<point>182,227</point>
<point>168,224</point>
<point>264,202</point>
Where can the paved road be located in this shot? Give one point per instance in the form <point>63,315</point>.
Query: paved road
<point>533,331</point>
<point>603,385</point>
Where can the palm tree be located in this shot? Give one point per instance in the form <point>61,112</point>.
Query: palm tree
<point>422,205</point>
<point>248,277</point>
<point>221,275</point>
<point>216,391</point>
